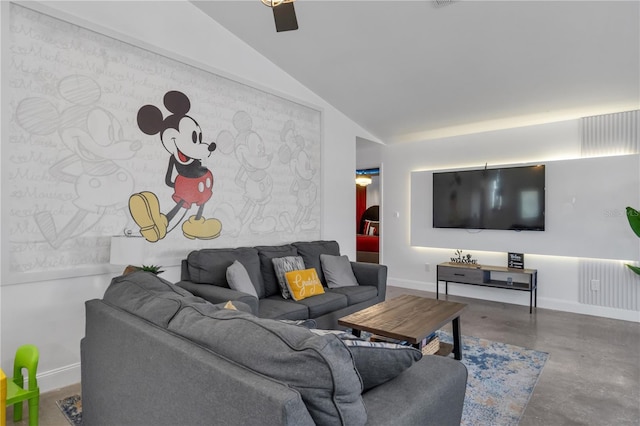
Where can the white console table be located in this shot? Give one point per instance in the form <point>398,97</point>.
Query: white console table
<point>484,275</point>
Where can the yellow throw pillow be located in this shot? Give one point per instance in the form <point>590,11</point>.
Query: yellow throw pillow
<point>303,283</point>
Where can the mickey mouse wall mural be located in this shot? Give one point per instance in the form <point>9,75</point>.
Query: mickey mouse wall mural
<point>192,182</point>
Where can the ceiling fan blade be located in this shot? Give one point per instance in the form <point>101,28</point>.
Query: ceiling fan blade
<point>285,17</point>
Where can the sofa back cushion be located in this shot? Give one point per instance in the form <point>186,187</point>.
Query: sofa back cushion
<point>269,277</point>
<point>320,368</point>
<point>311,251</point>
<point>148,296</point>
<point>209,266</point>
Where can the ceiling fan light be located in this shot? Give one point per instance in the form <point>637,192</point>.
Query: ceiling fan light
<point>272,3</point>
<point>363,180</point>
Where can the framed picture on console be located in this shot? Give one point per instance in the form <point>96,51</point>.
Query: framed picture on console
<point>515,260</point>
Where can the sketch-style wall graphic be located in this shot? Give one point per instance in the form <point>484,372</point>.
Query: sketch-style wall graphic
<point>74,152</point>
<point>295,152</point>
<point>94,140</point>
<point>252,177</point>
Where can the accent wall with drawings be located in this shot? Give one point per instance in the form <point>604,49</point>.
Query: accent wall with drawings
<point>102,136</point>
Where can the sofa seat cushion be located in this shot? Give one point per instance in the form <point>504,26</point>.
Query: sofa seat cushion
<point>209,266</point>
<point>148,296</point>
<point>324,303</point>
<point>320,368</point>
<point>275,307</point>
<point>269,277</point>
<point>311,251</point>
<point>356,294</point>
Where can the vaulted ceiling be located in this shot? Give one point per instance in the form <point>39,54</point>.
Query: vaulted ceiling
<point>413,70</point>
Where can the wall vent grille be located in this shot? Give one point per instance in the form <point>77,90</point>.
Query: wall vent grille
<point>610,134</point>
<point>618,286</point>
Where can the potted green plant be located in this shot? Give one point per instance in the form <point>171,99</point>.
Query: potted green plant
<point>634,220</point>
<point>154,269</point>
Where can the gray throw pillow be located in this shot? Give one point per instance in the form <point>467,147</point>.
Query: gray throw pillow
<point>238,279</point>
<point>281,266</point>
<point>337,271</point>
<point>376,362</point>
<point>379,362</point>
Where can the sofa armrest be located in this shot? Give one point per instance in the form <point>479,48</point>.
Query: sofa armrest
<point>216,294</point>
<point>371,274</point>
<point>430,392</point>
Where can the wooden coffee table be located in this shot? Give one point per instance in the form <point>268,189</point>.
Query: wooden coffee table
<point>409,318</point>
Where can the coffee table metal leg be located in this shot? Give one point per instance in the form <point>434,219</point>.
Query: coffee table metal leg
<point>457,342</point>
<point>357,333</point>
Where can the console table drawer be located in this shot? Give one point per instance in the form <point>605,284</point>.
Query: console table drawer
<point>448,273</point>
<point>488,276</point>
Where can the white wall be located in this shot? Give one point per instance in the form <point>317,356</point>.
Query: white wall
<point>50,314</point>
<point>557,276</point>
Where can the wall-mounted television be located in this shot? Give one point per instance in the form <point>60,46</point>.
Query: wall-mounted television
<point>511,198</point>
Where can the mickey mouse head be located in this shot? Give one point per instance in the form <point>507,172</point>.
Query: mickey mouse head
<point>91,132</point>
<point>179,133</point>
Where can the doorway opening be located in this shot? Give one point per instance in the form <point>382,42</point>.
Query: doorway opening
<point>368,215</point>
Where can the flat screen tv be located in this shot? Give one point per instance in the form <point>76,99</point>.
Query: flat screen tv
<point>497,198</point>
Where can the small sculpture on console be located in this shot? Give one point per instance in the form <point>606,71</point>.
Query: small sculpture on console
<point>461,258</point>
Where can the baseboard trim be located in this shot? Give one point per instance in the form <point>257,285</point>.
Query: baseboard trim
<point>598,311</point>
<point>59,377</point>
<point>413,285</point>
<point>518,298</point>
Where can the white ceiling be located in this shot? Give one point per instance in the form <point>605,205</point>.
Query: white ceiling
<point>407,70</point>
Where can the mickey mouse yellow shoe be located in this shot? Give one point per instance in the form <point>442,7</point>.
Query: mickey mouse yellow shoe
<point>203,229</point>
<point>145,210</point>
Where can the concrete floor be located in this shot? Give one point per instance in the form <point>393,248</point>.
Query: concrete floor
<point>50,414</point>
<point>592,376</point>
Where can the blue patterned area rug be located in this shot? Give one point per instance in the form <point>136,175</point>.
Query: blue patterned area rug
<point>71,407</point>
<point>500,382</point>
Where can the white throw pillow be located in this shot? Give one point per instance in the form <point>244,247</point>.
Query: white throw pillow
<point>337,271</point>
<point>238,279</point>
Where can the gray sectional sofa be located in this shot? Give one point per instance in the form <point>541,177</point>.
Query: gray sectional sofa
<point>204,274</point>
<point>154,354</point>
